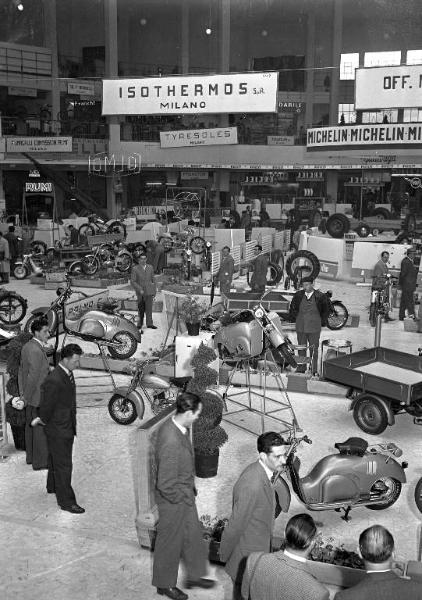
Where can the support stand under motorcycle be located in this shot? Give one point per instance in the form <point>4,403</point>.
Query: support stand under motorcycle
<point>378,327</point>
<point>270,411</point>
<point>345,517</point>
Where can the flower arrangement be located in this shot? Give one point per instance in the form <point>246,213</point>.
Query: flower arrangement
<point>191,310</point>
<point>326,551</point>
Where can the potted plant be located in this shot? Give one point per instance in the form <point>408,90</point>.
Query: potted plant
<point>208,435</point>
<point>191,311</point>
<point>213,530</point>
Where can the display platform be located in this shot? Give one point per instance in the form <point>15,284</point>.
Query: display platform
<point>273,301</point>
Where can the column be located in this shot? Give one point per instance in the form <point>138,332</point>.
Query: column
<point>50,23</point>
<point>185,36</point>
<point>337,30</point>
<point>310,63</point>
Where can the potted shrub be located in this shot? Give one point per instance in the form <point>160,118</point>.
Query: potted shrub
<point>192,311</point>
<point>208,435</point>
<point>213,530</point>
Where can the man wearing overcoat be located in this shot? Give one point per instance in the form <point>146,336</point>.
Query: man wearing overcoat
<point>143,282</point>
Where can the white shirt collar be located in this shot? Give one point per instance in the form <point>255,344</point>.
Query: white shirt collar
<point>301,559</point>
<point>266,469</point>
<point>309,294</point>
<point>39,341</point>
<point>66,370</point>
<point>180,427</point>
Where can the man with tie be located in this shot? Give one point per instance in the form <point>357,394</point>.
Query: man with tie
<point>179,532</point>
<point>33,369</point>
<point>57,414</point>
<point>143,282</point>
<point>259,495</point>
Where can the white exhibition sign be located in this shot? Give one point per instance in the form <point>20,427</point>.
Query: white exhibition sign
<point>226,93</point>
<point>388,87</point>
<point>361,135</point>
<point>198,137</point>
<point>367,254</point>
<point>39,144</point>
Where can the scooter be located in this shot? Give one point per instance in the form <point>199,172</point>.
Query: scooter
<point>359,475</point>
<point>120,335</point>
<point>25,267</point>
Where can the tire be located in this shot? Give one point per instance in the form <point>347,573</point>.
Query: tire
<point>322,227</point>
<point>392,496</point>
<point>370,415</point>
<point>274,274</point>
<point>121,410</point>
<point>12,308</point>
<point>38,247</point>
<point>129,349</point>
<point>338,317</point>
<point>166,242</point>
<point>373,314</point>
<point>124,263</point>
<point>20,272</point>
<point>304,260</point>
<point>382,213</point>
<point>363,230</point>
<point>75,268</point>
<point>86,229</point>
<point>90,264</point>
<point>315,218</point>
<point>409,223</point>
<point>117,227</point>
<point>287,355</point>
<point>337,225</point>
<point>418,495</point>
<point>277,257</point>
<point>197,245</point>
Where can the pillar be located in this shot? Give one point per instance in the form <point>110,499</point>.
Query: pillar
<point>310,63</point>
<point>185,37</point>
<point>337,30</point>
<point>50,23</point>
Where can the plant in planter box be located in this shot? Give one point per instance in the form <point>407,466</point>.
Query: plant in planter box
<point>192,311</point>
<point>208,435</point>
<point>327,551</point>
<point>213,530</point>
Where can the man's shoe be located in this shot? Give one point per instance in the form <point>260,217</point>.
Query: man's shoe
<point>152,327</point>
<point>74,508</point>
<point>51,491</point>
<point>206,584</point>
<point>388,319</point>
<point>173,593</point>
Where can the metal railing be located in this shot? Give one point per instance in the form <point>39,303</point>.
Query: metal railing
<point>35,125</point>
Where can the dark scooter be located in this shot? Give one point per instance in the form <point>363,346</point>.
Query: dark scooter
<point>357,476</point>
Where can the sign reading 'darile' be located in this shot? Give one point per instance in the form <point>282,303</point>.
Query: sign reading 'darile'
<point>198,137</point>
<point>233,93</point>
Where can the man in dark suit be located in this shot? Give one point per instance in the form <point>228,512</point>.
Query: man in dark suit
<point>143,282</point>
<point>287,570</point>
<point>225,273</point>
<point>13,242</point>
<point>33,369</point>
<point>407,281</point>
<point>251,523</point>
<point>58,415</point>
<point>376,546</point>
<point>179,532</point>
<point>260,267</point>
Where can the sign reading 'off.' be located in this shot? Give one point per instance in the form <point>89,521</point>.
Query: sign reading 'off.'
<point>230,93</point>
<point>388,87</point>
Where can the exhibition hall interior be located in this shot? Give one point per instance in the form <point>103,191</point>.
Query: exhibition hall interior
<point>210,291</point>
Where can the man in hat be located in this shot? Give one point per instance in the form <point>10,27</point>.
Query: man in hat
<point>408,282</point>
<point>309,310</point>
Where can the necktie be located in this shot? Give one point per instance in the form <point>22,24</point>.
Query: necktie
<point>72,379</point>
<point>274,476</point>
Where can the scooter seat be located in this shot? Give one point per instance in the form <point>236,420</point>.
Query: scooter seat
<point>353,446</point>
<point>180,382</point>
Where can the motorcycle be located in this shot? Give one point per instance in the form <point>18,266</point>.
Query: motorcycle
<point>359,475</point>
<point>27,266</point>
<point>107,255</point>
<point>186,240</point>
<point>120,335</point>
<point>96,225</point>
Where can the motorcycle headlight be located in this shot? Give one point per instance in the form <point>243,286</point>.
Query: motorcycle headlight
<point>259,313</point>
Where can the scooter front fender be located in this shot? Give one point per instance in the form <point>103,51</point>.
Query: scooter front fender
<point>136,398</point>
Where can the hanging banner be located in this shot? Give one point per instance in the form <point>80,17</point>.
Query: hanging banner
<point>39,144</point>
<point>81,88</point>
<point>388,87</point>
<point>198,137</point>
<point>229,93</point>
<point>361,135</point>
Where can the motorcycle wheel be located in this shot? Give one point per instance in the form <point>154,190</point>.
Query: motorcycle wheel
<point>418,495</point>
<point>75,268</point>
<point>20,272</point>
<point>370,414</point>
<point>90,264</point>
<point>162,400</point>
<point>287,355</point>
<point>117,227</point>
<point>394,490</point>
<point>197,245</point>
<point>12,308</point>
<point>338,315</point>
<point>38,247</point>
<point>124,263</point>
<point>122,410</point>
<point>166,242</point>
<point>128,345</point>
<point>86,229</point>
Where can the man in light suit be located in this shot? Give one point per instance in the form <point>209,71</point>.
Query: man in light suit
<point>255,503</point>
<point>143,282</point>
<point>285,574</point>
<point>179,532</point>
<point>58,416</point>
<point>376,545</point>
<point>33,369</point>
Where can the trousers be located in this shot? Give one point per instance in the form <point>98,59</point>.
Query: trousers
<point>145,309</point>
<point>60,466</point>
<point>312,340</point>
<point>35,441</point>
<point>407,301</point>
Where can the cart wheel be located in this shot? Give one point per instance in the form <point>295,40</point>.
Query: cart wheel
<point>418,495</point>
<point>370,414</point>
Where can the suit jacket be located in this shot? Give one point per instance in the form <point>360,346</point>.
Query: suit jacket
<point>174,460</point>
<point>58,404</point>
<point>5,254</point>
<point>13,242</point>
<point>259,275</point>
<point>321,303</point>
<point>142,281</point>
<point>382,586</point>
<point>251,523</point>
<point>33,369</point>
<point>279,576</point>
<point>226,270</point>
<point>408,274</point>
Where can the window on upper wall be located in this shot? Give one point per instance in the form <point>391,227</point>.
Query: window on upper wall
<point>380,116</point>
<point>348,64</point>
<point>346,114</point>
<point>378,59</point>
<point>414,57</point>
<point>412,115</point>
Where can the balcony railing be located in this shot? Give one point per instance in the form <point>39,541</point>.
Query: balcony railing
<point>36,126</point>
